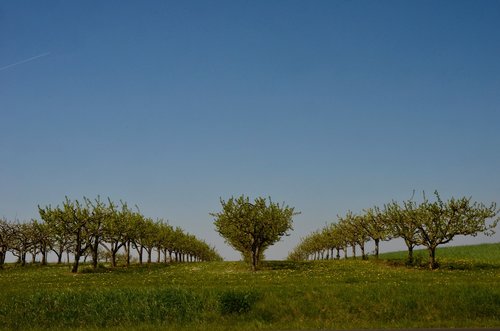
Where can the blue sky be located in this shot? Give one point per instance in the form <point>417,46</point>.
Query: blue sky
<point>325,105</point>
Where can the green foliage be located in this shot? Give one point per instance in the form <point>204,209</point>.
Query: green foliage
<point>439,222</point>
<point>251,228</point>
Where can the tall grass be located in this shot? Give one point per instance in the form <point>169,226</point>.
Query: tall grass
<point>48,309</point>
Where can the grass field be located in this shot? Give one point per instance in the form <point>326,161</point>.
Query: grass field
<point>464,292</point>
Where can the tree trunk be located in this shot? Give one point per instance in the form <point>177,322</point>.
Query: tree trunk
<point>149,255</point>
<point>59,254</point>
<point>410,255</point>
<point>170,256</point>
<point>113,258</point>
<point>141,251</point>
<point>254,261</point>
<point>33,258</point>
<point>127,252</point>
<point>363,255</point>
<point>338,254</point>
<point>158,260</point>
<point>354,251</point>
<point>95,254</point>
<point>432,258</point>
<point>44,256</point>
<point>2,259</point>
<point>77,261</point>
<point>345,253</point>
<point>376,247</point>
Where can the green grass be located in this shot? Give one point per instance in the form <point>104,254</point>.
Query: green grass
<point>283,295</point>
<point>461,257</point>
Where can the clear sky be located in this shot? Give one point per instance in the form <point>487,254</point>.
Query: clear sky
<point>325,105</point>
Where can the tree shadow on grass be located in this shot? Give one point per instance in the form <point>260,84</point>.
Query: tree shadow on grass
<point>286,265</point>
<point>443,264</point>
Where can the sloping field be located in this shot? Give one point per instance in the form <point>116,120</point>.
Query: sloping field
<point>475,255</point>
<point>284,295</point>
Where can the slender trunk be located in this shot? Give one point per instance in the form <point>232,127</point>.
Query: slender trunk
<point>254,260</point>
<point>77,261</point>
<point>149,250</point>
<point>113,258</point>
<point>165,256</point>
<point>338,254</point>
<point>363,255</point>
<point>377,241</point>
<point>59,254</point>
<point>23,259</point>
<point>410,255</point>
<point>176,257</point>
<point>2,259</point>
<point>33,258</point>
<point>432,258</point>
<point>127,252</point>
<point>158,260</point>
<point>141,251</point>
<point>44,256</point>
<point>354,251</point>
<point>345,252</point>
<point>67,257</point>
<point>95,253</point>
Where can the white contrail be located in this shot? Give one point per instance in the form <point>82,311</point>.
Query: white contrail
<point>24,61</point>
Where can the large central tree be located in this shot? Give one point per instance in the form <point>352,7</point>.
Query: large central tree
<point>251,228</point>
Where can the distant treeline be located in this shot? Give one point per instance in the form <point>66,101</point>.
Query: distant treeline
<point>102,230</point>
<point>428,224</point>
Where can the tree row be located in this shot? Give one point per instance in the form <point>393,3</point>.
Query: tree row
<point>428,224</point>
<point>99,229</point>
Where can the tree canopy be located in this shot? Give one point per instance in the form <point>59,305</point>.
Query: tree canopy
<point>251,227</point>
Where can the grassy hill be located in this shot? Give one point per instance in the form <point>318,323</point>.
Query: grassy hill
<point>284,295</point>
<point>472,256</point>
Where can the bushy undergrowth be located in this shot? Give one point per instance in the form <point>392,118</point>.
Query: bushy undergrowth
<point>237,302</point>
<point>226,296</point>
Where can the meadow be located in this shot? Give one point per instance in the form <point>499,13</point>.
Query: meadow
<point>335,294</point>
